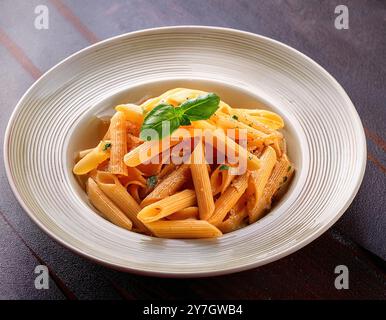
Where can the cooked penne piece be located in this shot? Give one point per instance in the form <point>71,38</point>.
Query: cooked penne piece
<point>281,174</point>
<point>84,152</point>
<point>182,95</point>
<point>170,185</point>
<point>184,229</point>
<point>151,103</point>
<point>167,206</point>
<point>133,128</point>
<point>221,179</point>
<point>150,169</point>
<point>150,149</point>
<point>254,123</point>
<point>269,118</point>
<point>229,198</point>
<point>203,124</point>
<point>118,136</point>
<point>235,220</point>
<point>283,146</point>
<point>134,176</point>
<point>106,207</point>
<point>201,182</point>
<point>133,189</point>
<point>92,159</point>
<point>132,112</point>
<point>166,170</point>
<point>258,179</point>
<point>117,193</point>
<point>230,122</point>
<point>187,213</point>
<point>133,142</point>
<point>219,137</point>
<point>276,146</point>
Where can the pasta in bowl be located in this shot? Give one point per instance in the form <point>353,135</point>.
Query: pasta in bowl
<point>186,165</point>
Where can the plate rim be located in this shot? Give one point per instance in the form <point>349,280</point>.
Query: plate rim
<point>276,256</point>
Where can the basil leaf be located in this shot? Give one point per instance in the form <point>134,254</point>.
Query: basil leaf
<point>163,119</point>
<point>184,120</point>
<point>200,108</point>
<point>224,167</point>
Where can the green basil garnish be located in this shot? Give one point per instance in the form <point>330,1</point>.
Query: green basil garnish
<point>200,108</point>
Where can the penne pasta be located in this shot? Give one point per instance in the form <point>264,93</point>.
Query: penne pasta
<point>132,113</point>
<point>113,189</point>
<point>236,217</point>
<point>269,118</point>
<point>258,179</point>
<point>166,170</point>
<point>167,206</point>
<point>251,121</point>
<point>133,189</point>
<point>187,213</point>
<point>228,122</point>
<point>201,181</point>
<point>182,95</point>
<point>170,185</point>
<point>229,198</point>
<point>282,172</point>
<point>92,159</point>
<point>184,229</point>
<point>150,169</point>
<point>107,208</point>
<point>134,176</point>
<point>151,149</point>
<point>216,170</point>
<point>133,142</point>
<point>276,145</point>
<point>151,103</point>
<point>84,152</point>
<point>218,137</point>
<point>118,136</point>
<point>221,178</point>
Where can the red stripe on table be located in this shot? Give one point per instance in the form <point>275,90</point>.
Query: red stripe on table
<point>19,55</point>
<point>376,139</point>
<point>59,283</point>
<point>377,163</point>
<point>67,13</point>
<point>122,292</point>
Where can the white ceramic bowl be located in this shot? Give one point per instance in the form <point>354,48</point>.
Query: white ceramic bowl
<point>56,117</point>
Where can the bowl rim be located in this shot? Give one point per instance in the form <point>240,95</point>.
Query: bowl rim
<point>188,28</point>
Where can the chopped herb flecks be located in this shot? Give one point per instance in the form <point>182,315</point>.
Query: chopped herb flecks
<point>106,146</point>
<point>224,167</point>
<point>289,169</point>
<point>152,181</point>
<point>235,117</point>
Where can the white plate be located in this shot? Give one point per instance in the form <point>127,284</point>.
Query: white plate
<point>55,118</point>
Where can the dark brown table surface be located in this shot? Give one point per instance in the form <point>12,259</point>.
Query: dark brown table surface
<point>355,57</point>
